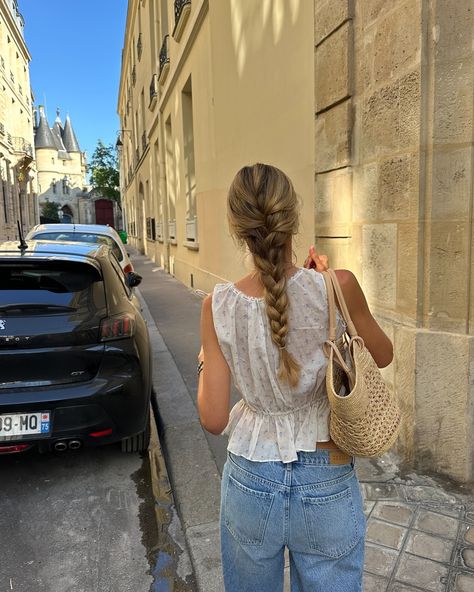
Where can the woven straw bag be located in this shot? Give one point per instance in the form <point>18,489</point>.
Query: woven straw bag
<point>365,419</point>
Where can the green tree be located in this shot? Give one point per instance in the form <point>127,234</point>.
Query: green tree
<point>50,210</point>
<point>104,171</point>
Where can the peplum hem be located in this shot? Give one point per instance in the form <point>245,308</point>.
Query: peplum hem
<point>263,436</point>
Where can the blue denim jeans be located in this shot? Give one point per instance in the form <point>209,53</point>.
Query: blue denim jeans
<point>310,506</point>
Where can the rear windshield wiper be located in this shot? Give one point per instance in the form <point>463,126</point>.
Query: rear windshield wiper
<point>54,308</point>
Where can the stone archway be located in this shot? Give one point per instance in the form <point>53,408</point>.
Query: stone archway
<point>68,215</point>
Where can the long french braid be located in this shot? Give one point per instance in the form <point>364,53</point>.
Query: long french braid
<point>263,213</point>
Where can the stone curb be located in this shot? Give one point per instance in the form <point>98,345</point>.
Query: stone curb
<point>192,471</point>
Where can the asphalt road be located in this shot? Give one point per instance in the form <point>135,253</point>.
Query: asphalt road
<point>86,521</point>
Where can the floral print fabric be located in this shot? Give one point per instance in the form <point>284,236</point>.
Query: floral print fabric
<point>273,421</point>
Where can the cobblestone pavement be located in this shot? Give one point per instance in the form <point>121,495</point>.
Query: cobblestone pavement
<point>420,531</point>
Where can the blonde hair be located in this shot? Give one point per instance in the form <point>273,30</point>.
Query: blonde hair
<point>263,214</point>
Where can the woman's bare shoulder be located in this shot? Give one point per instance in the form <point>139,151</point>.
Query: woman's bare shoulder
<point>348,281</point>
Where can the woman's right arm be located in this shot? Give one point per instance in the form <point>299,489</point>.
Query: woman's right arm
<point>367,327</point>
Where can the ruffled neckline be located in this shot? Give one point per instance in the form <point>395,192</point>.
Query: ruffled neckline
<point>261,298</point>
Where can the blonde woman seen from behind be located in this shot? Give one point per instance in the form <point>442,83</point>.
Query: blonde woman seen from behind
<point>284,484</point>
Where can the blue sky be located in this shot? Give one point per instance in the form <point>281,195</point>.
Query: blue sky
<point>76,47</point>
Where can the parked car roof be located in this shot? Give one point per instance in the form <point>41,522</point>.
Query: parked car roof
<point>91,233</point>
<point>46,249</point>
<point>104,228</point>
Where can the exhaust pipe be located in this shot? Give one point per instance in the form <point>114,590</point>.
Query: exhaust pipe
<point>60,446</point>
<point>75,444</point>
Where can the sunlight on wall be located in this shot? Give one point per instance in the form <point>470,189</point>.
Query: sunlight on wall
<point>266,6</point>
<point>278,16</point>
<point>294,9</point>
<point>249,21</point>
<point>238,37</point>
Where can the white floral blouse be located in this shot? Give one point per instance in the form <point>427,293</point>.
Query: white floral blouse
<point>273,421</point>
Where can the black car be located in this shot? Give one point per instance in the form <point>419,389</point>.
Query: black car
<point>75,357</point>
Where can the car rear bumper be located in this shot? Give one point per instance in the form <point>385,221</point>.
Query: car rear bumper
<point>97,412</point>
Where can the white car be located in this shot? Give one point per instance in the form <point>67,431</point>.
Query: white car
<point>83,233</point>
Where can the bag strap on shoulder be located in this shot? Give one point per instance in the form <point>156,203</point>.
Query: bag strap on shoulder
<point>333,287</point>
<point>331,306</point>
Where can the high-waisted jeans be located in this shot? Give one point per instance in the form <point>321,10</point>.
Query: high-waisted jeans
<point>310,506</point>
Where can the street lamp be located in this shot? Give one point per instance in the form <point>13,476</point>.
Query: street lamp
<point>119,143</point>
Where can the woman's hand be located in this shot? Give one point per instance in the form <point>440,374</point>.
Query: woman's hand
<point>316,261</point>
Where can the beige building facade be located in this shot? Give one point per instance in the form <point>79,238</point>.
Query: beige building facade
<point>368,106</point>
<point>200,96</point>
<point>17,165</point>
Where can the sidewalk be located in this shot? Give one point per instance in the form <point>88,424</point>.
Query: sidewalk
<point>420,534</point>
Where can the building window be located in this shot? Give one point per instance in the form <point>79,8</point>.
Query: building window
<point>53,185</point>
<point>170,164</point>
<point>189,163</point>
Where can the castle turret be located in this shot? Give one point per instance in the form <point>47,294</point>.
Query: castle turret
<point>58,137</point>
<point>69,137</point>
<point>43,135</point>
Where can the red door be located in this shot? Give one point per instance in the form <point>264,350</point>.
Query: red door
<point>104,212</point>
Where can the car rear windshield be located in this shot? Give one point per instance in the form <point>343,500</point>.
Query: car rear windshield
<point>82,237</point>
<point>54,287</point>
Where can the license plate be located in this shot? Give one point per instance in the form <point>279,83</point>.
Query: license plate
<point>24,424</point>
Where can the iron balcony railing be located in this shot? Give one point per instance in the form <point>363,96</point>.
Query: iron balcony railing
<point>153,88</point>
<point>182,10</point>
<point>178,8</point>
<point>139,46</point>
<point>164,54</point>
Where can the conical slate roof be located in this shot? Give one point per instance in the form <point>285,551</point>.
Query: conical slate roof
<point>44,136</point>
<point>58,138</point>
<point>69,137</point>
<point>57,134</point>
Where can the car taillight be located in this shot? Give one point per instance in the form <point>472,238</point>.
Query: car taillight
<point>127,268</point>
<point>118,327</point>
<point>101,434</point>
<point>7,449</point>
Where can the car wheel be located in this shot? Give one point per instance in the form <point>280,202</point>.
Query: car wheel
<point>139,442</point>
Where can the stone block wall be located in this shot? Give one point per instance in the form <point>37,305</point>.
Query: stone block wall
<point>333,124</point>
<point>394,89</point>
